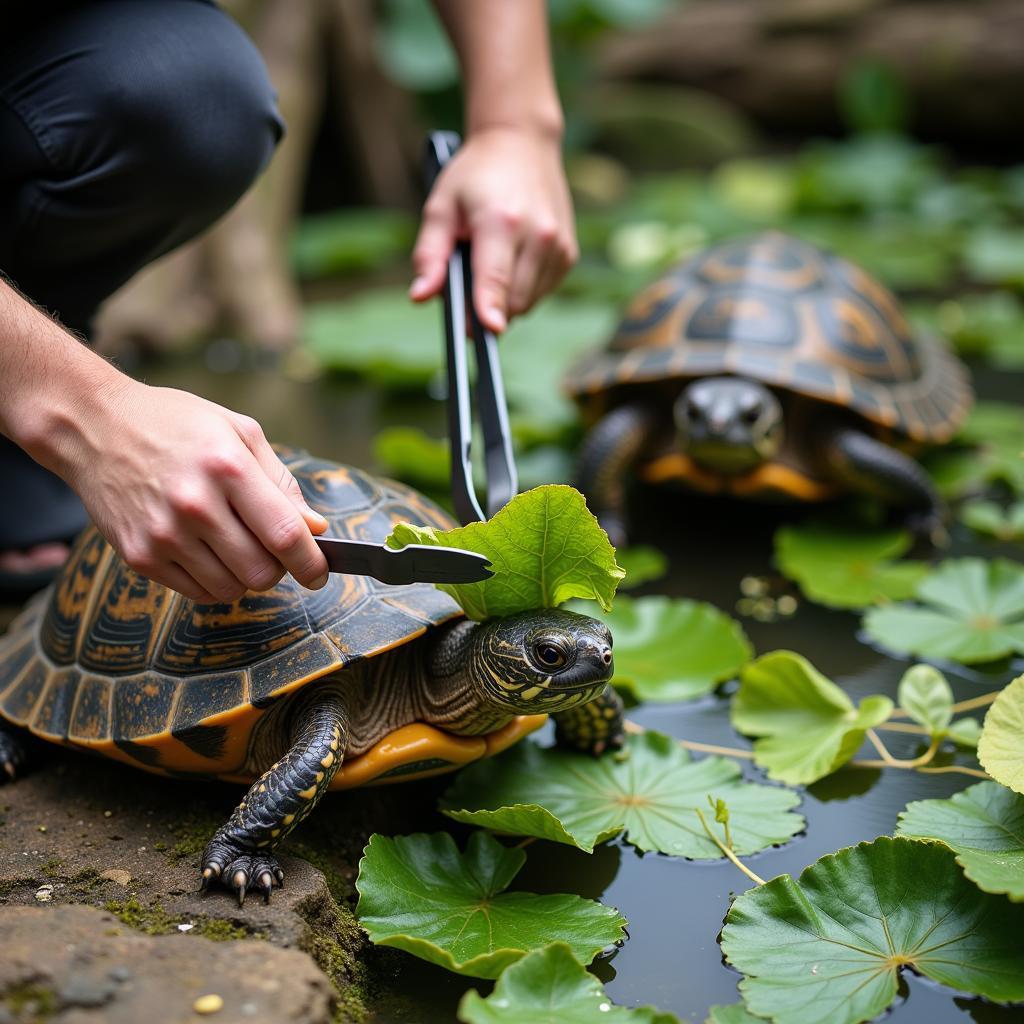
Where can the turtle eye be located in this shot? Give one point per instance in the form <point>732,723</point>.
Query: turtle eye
<point>751,414</point>
<point>549,654</point>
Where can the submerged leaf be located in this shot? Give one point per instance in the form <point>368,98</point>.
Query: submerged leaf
<point>807,726</point>
<point>545,547</point>
<point>829,946</point>
<point>1001,747</point>
<point>846,568</point>
<point>673,648</point>
<point>984,826</point>
<point>420,894</point>
<point>972,611</point>
<point>652,795</point>
<point>927,698</point>
<point>549,986</point>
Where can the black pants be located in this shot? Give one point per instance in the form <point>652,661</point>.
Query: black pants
<point>126,128</point>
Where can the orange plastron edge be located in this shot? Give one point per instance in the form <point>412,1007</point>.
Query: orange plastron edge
<point>418,750</point>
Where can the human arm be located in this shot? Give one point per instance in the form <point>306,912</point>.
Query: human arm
<point>189,493</point>
<point>505,189</point>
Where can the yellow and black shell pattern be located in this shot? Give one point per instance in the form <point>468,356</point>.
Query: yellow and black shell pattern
<point>797,318</point>
<point>110,661</point>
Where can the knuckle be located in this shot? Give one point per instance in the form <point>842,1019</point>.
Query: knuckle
<point>189,502</point>
<point>546,231</point>
<point>224,464</point>
<point>263,576</point>
<point>229,592</point>
<point>284,535</point>
<point>140,558</point>
<point>250,429</point>
<point>509,217</point>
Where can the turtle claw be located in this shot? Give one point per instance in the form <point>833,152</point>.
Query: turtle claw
<point>12,757</point>
<point>238,870</point>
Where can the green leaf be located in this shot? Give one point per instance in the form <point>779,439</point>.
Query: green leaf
<point>807,725</point>
<point>549,986</point>
<point>995,255</point>
<point>995,429</point>
<point>965,732</point>
<point>1001,747</point>
<point>984,826</point>
<point>420,894</point>
<point>545,547</point>
<point>345,240</point>
<point>410,454</point>
<point>734,1013</point>
<point>991,518</point>
<point>673,648</point>
<point>413,48</point>
<point>846,568</point>
<point>971,611</point>
<point>641,564</point>
<point>927,698</point>
<point>830,945</point>
<point>652,794</point>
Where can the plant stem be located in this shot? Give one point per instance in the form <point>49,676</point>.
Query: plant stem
<point>965,705</point>
<point>895,762</point>
<point>728,851</point>
<point>704,748</point>
<point>976,773</point>
<point>917,730</point>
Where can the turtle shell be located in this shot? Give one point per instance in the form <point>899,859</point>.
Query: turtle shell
<point>781,311</point>
<point>108,660</point>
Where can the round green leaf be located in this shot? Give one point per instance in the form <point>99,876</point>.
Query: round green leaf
<point>734,1013</point>
<point>651,794</point>
<point>807,725</point>
<point>420,894</point>
<point>545,547</point>
<point>549,986</point>
<point>829,946</point>
<point>992,519</point>
<point>673,648</point>
<point>965,732</point>
<point>972,611</point>
<point>846,568</point>
<point>1001,747</point>
<point>984,826</point>
<point>926,697</point>
<point>641,564</point>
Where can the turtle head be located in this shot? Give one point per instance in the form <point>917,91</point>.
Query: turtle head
<point>541,661</point>
<point>728,424</point>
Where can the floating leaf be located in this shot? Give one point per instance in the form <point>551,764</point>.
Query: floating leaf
<point>847,568</point>
<point>995,255</point>
<point>641,564</point>
<point>830,945</point>
<point>420,894</point>
<point>927,698</point>
<point>734,1013</point>
<point>991,518</point>
<point>545,547</point>
<point>984,826</point>
<point>996,429</point>
<point>972,611</point>
<point>652,794</point>
<point>409,454</point>
<point>549,986</point>
<point>1001,747</point>
<point>673,648</point>
<point>965,732</point>
<point>807,725</point>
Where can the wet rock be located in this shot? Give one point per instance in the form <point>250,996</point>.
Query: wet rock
<point>100,970</point>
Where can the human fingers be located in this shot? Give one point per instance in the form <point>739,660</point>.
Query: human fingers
<point>275,521</point>
<point>196,558</point>
<point>434,245</point>
<point>495,245</point>
<point>172,575</point>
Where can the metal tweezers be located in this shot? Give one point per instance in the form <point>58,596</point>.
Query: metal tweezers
<point>418,563</point>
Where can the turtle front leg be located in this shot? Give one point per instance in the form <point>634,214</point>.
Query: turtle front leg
<point>240,853</point>
<point>870,466</point>
<point>13,755</point>
<point>594,727</point>
<point>606,456</point>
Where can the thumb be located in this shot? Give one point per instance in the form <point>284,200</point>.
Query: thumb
<point>434,245</point>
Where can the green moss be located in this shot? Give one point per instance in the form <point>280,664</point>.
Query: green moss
<point>219,930</point>
<point>53,868</point>
<point>193,832</point>
<point>152,920</point>
<point>85,881</point>
<point>341,889</point>
<point>31,1002</point>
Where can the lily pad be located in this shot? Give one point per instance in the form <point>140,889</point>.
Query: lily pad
<point>972,611</point>
<point>651,794</point>
<point>409,454</point>
<point>984,826</point>
<point>734,1013</point>
<point>829,946</point>
<point>641,564</point>
<point>362,238</point>
<point>846,568</point>
<point>992,519</point>
<point>965,732</point>
<point>549,986</point>
<point>926,696</point>
<point>995,255</point>
<point>996,430</point>
<point>807,726</point>
<point>673,648</point>
<point>545,547</point>
<point>420,894</point>
<point>1001,747</point>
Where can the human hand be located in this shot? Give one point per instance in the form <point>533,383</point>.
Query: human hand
<point>192,495</point>
<point>504,190</point>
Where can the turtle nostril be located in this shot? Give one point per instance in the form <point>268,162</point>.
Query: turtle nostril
<point>606,655</point>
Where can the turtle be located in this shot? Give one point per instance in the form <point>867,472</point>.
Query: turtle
<point>767,368</point>
<point>290,691</point>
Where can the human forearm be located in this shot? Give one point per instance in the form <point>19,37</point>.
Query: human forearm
<point>505,55</point>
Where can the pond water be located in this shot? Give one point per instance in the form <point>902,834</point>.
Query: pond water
<point>675,907</point>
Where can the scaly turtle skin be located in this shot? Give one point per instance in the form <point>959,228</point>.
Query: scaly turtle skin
<point>280,688</point>
<point>767,368</point>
